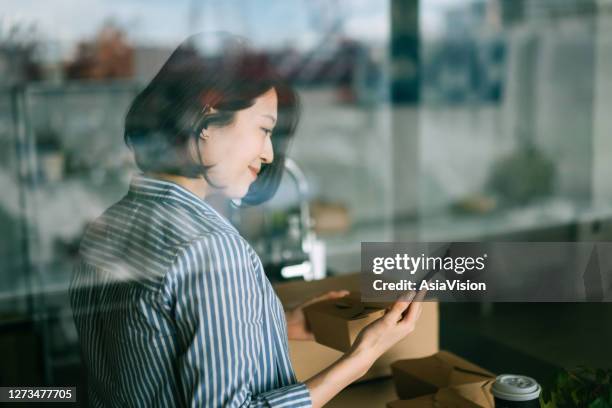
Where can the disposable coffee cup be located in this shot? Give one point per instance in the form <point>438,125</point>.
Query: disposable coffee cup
<point>516,391</point>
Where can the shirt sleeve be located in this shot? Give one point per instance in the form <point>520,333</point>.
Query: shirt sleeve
<point>219,310</point>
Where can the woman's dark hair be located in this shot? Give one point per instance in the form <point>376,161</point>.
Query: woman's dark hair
<point>207,71</point>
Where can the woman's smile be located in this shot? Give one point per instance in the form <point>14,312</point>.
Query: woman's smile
<point>254,171</point>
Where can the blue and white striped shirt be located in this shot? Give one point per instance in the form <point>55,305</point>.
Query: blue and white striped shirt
<point>173,308</point>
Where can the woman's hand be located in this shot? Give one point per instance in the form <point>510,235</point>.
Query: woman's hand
<point>379,336</point>
<point>376,338</point>
<point>297,327</point>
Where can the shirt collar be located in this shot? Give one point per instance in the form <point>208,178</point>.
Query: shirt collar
<point>153,188</point>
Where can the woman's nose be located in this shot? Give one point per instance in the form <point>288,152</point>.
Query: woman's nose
<point>268,151</point>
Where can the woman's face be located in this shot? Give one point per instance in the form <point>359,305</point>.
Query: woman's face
<point>238,150</point>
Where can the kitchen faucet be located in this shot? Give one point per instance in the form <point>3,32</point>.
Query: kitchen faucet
<point>315,266</point>
<point>312,261</point>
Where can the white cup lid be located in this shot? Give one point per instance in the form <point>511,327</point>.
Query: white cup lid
<point>512,387</point>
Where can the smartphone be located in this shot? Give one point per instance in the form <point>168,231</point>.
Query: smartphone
<point>431,273</point>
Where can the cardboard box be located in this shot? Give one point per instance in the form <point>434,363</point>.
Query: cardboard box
<point>355,297</point>
<point>426,401</point>
<point>478,393</point>
<point>374,393</point>
<point>418,377</point>
<point>309,357</point>
<point>473,395</point>
<point>336,323</point>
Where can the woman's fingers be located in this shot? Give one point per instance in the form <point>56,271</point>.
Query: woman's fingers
<point>334,294</point>
<point>416,306</point>
<point>401,304</point>
<point>420,296</point>
<point>407,296</point>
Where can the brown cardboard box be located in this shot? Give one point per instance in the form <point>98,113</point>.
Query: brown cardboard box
<point>374,393</point>
<point>337,322</point>
<point>355,297</point>
<point>473,395</point>
<point>426,401</point>
<point>429,401</point>
<point>418,377</point>
<point>309,357</point>
<point>478,393</point>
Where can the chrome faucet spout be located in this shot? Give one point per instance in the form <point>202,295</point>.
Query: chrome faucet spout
<point>302,189</point>
<point>313,248</point>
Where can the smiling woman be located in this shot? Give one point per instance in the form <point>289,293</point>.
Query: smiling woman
<point>172,306</point>
<point>216,110</point>
<point>237,152</point>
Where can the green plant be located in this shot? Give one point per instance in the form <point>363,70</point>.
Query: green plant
<point>580,387</point>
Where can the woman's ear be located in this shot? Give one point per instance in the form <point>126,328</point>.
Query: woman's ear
<point>204,135</point>
<point>206,111</point>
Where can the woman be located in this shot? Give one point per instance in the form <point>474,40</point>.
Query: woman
<point>171,304</point>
